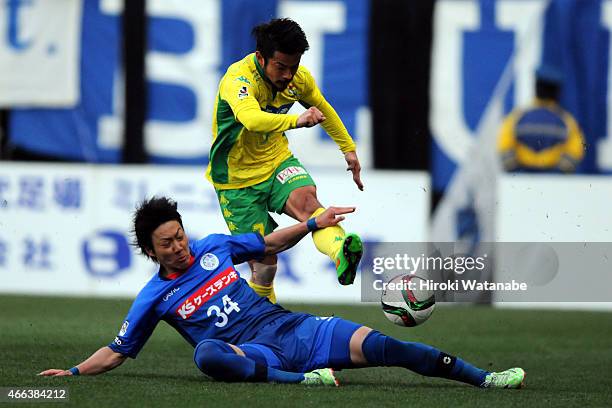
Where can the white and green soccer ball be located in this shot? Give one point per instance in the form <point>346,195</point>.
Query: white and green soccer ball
<point>406,302</point>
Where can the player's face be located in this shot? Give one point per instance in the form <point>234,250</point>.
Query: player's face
<point>171,246</point>
<point>281,68</point>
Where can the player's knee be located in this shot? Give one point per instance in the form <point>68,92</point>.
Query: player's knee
<point>373,348</point>
<point>267,260</point>
<point>310,201</point>
<point>356,346</point>
<point>303,202</point>
<point>207,352</point>
<point>263,274</point>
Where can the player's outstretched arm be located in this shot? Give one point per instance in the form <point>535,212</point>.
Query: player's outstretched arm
<point>354,167</point>
<point>285,238</point>
<point>101,361</point>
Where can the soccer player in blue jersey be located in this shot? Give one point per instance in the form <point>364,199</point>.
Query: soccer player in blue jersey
<point>240,336</point>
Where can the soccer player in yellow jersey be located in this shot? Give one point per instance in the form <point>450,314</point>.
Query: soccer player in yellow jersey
<point>251,166</point>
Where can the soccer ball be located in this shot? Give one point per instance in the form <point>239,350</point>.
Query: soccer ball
<point>404,303</point>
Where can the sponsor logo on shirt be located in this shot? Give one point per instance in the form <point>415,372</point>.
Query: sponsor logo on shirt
<point>289,173</point>
<point>209,261</point>
<point>207,291</point>
<point>243,92</point>
<point>124,328</point>
<point>244,79</point>
<point>172,292</point>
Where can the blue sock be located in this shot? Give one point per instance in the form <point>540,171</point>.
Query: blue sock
<point>381,350</point>
<point>219,361</point>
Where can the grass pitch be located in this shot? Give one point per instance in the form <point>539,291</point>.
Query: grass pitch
<point>567,356</point>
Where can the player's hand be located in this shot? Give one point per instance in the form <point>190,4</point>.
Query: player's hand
<point>332,216</point>
<point>311,117</point>
<point>54,372</point>
<point>354,167</point>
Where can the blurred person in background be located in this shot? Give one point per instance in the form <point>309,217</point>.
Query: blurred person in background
<point>251,167</point>
<point>542,137</point>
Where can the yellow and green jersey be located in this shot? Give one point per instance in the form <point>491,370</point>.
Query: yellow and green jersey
<point>250,120</point>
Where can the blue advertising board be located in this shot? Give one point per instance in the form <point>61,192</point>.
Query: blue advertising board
<point>190,44</point>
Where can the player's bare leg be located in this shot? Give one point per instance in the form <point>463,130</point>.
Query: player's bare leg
<point>343,249</point>
<point>302,202</point>
<point>356,346</point>
<point>264,271</point>
<point>262,276</point>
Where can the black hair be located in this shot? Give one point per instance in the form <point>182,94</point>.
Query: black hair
<point>282,35</point>
<point>546,89</point>
<point>149,215</point>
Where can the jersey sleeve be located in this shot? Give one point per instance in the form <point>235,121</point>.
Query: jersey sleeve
<point>136,329</point>
<point>242,247</point>
<point>240,95</point>
<point>333,125</point>
<point>245,247</point>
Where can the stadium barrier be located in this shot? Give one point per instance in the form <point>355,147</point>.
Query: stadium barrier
<point>65,229</point>
<point>549,212</point>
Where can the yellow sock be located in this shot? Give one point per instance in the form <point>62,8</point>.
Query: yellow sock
<point>264,291</point>
<point>328,240</point>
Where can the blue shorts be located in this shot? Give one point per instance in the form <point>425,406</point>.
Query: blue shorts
<point>302,343</point>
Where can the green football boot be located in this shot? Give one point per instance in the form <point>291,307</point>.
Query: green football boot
<point>321,376</point>
<point>511,378</point>
<point>348,259</point>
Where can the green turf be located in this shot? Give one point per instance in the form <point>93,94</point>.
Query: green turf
<point>567,356</point>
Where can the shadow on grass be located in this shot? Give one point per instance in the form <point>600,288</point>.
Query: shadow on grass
<point>395,384</point>
<point>160,376</point>
<point>197,379</point>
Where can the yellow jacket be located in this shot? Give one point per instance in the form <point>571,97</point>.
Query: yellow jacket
<point>541,137</point>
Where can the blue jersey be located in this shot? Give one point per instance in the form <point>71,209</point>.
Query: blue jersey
<point>209,301</point>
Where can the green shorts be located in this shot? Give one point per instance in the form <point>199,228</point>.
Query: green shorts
<point>247,209</point>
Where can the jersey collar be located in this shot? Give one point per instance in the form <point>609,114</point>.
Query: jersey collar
<point>263,75</point>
